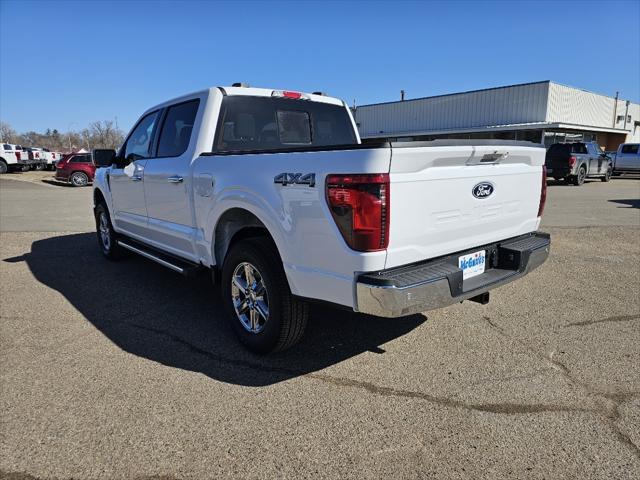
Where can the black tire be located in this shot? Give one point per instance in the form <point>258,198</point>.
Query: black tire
<point>578,180</point>
<point>26,168</point>
<point>110,249</point>
<point>607,176</point>
<point>39,166</point>
<point>4,168</point>
<point>287,316</point>
<point>79,179</point>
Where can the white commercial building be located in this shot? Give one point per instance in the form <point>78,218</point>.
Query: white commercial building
<point>544,112</point>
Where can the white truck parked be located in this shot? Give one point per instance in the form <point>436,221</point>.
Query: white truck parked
<point>12,158</point>
<point>273,191</point>
<point>50,158</point>
<point>37,157</point>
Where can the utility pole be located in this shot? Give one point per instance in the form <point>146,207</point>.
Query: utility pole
<point>402,95</point>
<point>69,133</point>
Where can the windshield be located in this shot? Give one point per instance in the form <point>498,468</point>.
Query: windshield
<point>250,124</point>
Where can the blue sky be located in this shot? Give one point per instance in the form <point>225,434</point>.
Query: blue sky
<point>66,63</point>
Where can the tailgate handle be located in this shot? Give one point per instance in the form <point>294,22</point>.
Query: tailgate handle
<point>493,157</point>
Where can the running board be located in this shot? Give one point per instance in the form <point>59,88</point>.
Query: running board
<point>183,267</point>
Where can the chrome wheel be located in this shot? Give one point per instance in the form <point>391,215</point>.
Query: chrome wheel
<point>249,297</point>
<point>105,233</point>
<point>79,179</point>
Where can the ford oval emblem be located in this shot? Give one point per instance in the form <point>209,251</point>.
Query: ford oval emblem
<point>482,190</point>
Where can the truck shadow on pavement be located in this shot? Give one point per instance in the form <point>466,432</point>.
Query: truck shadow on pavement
<point>157,314</point>
<point>627,202</point>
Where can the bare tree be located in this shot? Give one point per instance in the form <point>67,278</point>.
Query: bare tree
<point>7,134</point>
<point>99,134</point>
<point>104,134</point>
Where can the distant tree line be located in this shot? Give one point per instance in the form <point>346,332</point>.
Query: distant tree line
<point>100,134</point>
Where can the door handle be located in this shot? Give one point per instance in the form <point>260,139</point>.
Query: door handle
<point>136,178</point>
<point>175,179</point>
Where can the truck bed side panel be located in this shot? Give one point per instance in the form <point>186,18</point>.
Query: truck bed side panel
<point>317,261</point>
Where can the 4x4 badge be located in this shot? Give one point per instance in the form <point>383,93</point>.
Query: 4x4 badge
<point>285,179</point>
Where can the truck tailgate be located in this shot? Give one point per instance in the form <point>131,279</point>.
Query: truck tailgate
<point>433,207</point>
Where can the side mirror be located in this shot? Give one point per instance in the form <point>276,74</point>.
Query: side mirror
<point>104,157</point>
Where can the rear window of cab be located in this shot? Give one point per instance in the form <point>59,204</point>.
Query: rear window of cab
<point>250,124</point>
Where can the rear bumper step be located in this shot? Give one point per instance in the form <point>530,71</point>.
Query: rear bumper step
<point>183,267</point>
<point>437,283</point>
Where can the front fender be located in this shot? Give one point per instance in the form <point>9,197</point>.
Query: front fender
<point>101,184</point>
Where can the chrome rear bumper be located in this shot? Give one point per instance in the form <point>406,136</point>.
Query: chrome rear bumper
<point>438,283</point>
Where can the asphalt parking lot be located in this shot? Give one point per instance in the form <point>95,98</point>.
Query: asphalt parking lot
<point>127,370</point>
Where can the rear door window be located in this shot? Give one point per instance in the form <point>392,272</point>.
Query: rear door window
<point>632,149</point>
<point>578,148</point>
<point>80,159</point>
<point>177,128</point>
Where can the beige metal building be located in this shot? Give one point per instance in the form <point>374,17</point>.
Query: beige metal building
<point>544,112</point>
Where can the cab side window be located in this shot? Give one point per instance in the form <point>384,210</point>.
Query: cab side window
<point>176,129</point>
<point>139,143</point>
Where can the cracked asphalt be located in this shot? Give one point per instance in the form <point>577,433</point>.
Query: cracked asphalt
<point>128,371</point>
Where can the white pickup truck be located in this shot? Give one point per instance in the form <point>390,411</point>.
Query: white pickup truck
<point>273,191</point>
<point>13,157</point>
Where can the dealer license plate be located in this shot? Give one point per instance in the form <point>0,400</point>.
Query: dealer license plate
<point>472,264</point>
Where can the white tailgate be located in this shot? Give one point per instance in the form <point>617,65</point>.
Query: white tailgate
<point>433,209</point>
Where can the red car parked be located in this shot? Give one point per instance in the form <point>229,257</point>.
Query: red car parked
<point>76,168</point>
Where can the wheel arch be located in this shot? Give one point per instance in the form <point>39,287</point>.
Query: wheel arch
<point>236,224</point>
<point>98,197</point>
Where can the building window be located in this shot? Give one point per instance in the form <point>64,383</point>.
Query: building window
<point>529,135</point>
<point>568,137</point>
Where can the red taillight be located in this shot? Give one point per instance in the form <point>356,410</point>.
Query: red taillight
<point>543,191</point>
<point>18,156</point>
<point>360,207</point>
<point>294,95</point>
<point>572,161</point>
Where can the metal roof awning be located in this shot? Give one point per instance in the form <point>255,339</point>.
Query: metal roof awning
<point>497,128</point>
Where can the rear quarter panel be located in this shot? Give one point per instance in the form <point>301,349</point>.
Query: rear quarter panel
<point>317,261</point>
